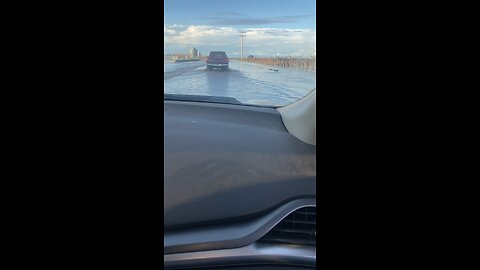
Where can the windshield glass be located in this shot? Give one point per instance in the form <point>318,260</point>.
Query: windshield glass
<point>252,52</point>
<point>218,54</point>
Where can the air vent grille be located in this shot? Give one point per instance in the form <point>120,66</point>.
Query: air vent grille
<point>297,228</point>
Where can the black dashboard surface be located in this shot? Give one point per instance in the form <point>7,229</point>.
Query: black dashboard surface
<point>224,162</point>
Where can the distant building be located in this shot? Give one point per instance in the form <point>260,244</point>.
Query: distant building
<point>193,53</point>
<point>179,56</point>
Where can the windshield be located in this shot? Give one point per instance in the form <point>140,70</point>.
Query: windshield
<point>218,54</point>
<point>260,53</point>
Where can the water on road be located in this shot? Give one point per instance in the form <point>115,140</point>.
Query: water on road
<point>249,83</point>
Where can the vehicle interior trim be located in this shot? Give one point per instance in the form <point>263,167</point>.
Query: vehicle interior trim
<point>252,254</point>
<point>232,235</point>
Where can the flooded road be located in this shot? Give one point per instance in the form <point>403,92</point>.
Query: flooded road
<point>247,82</point>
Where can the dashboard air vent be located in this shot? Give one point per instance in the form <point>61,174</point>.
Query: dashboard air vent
<point>297,228</point>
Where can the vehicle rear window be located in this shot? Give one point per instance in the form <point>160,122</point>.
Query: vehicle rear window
<point>218,54</point>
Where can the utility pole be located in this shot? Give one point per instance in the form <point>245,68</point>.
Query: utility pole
<point>242,35</point>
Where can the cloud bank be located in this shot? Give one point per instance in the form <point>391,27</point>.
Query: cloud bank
<point>258,41</point>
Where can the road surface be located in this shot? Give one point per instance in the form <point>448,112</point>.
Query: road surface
<point>249,83</point>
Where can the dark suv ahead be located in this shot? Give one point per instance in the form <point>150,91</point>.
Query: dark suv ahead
<point>217,59</point>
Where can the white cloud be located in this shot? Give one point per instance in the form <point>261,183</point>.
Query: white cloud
<point>258,41</point>
<point>198,35</point>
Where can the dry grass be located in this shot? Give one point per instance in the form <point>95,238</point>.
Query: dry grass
<point>308,64</point>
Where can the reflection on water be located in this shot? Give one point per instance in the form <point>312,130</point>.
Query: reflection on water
<point>247,82</point>
<point>217,83</point>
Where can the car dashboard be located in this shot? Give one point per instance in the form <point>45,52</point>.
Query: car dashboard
<point>239,189</point>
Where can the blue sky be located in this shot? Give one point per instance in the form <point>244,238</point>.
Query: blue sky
<point>274,27</point>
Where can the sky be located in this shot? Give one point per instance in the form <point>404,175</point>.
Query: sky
<point>273,27</point>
